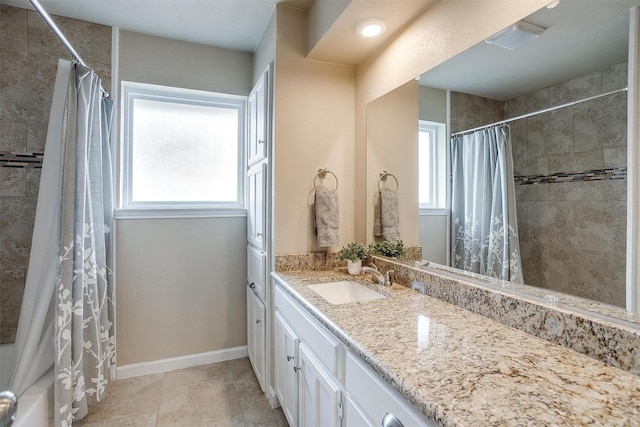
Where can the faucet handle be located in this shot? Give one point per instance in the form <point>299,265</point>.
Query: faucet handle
<point>387,277</point>
<point>375,267</point>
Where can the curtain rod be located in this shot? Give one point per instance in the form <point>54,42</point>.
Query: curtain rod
<point>47,18</point>
<point>546,110</point>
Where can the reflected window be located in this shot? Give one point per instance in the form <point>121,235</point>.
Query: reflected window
<point>181,149</point>
<point>431,165</point>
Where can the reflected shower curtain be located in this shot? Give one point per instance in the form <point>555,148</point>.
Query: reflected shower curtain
<point>484,224</point>
<point>77,180</point>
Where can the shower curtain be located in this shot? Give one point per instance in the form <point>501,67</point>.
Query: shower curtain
<point>68,308</point>
<point>484,224</point>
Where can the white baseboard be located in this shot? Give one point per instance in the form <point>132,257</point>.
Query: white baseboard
<point>164,365</point>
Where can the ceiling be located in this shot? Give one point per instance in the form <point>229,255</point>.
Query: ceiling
<point>232,24</point>
<point>580,37</point>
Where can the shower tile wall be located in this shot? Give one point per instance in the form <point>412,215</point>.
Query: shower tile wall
<point>572,234</point>
<point>29,55</point>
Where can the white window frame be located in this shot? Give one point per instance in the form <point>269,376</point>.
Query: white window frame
<point>179,209</point>
<point>437,167</point>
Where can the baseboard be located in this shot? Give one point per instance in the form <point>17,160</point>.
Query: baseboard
<point>164,365</point>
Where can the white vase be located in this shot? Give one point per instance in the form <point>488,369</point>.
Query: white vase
<point>354,267</point>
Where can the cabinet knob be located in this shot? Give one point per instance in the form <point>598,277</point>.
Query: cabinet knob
<point>289,358</point>
<point>390,420</point>
<point>259,235</point>
<point>252,286</point>
<point>297,369</point>
<point>260,141</point>
<point>258,321</point>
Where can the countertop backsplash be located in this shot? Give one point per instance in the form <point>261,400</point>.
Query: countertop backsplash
<point>614,342</point>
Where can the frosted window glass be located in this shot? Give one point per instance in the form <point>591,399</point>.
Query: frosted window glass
<point>184,152</point>
<point>424,166</point>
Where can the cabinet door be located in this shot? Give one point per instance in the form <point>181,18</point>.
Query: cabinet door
<point>256,208</point>
<point>258,120</point>
<point>353,415</point>
<point>256,335</point>
<point>320,404</point>
<point>286,368</point>
<point>256,271</point>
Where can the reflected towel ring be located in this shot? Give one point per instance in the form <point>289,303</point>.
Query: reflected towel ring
<point>322,172</point>
<point>383,177</point>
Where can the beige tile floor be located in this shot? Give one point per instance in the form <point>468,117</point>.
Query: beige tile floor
<point>216,395</point>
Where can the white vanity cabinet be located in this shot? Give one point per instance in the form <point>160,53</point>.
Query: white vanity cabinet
<point>320,403</point>
<point>256,333</point>
<point>319,383</point>
<point>370,399</point>
<point>308,364</point>
<point>286,368</point>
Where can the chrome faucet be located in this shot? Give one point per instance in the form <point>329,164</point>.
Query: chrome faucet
<point>382,279</point>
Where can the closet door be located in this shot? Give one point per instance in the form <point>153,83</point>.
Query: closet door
<point>258,120</point>
<point>256,208</point>
<point>256,335</point>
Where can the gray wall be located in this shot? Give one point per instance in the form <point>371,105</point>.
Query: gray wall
<point>180,283</point>
<point>29,54</point>
<point>572,234</point>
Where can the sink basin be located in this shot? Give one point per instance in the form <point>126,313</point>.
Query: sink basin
<point>344,292</point>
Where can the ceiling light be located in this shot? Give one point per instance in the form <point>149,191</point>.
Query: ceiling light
<point>515,35</point>
<point>371,27</point>
<point>552,4</point>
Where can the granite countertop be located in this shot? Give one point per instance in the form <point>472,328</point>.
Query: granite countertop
<point>462,369</point>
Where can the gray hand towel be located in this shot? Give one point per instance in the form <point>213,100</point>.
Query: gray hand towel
<point>377,224</point>
<point>390,216</point>
<point>327,215</point>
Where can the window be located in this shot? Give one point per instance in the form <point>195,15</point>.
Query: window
<point>431,165</point>
<point>182,152</point>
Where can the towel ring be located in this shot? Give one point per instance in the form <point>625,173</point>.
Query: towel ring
<point>383,177</point>
<point>322,172</point>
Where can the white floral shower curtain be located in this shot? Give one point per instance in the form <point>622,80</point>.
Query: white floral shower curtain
<point>484,224</point>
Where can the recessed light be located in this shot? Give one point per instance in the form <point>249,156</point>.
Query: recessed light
<point>371,27</point>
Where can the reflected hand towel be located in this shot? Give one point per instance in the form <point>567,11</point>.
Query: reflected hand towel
<point>390,216</point>
<point>327,216</point>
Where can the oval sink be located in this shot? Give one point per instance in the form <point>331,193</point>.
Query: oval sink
<point>344,292</point>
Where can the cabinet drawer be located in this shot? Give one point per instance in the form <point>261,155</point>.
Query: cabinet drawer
<point>256,270</point>
<point>326,346</point>
<point>375,397</point>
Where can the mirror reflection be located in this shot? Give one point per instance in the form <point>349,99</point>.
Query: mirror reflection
<point>569,163</point>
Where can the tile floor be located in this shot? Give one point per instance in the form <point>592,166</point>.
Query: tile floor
<point>216,395</point>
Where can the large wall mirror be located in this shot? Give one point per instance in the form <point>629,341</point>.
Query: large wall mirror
<point>569,163</point>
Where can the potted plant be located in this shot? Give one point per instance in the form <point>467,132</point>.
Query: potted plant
<point>389,249</point>
<point>354,253</point>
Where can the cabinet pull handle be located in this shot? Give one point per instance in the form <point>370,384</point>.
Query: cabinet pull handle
<point>289,358</point>
<point>258,321</point>
<point>297,369</point>
<point>390,420</point>
<point>252,285</point>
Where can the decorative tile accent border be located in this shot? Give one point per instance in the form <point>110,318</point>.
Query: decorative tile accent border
<point>21,160</point>
<point>590,175</point>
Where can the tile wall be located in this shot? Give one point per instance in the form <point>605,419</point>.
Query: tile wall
<point>29,54</point>
<point>570,167</point>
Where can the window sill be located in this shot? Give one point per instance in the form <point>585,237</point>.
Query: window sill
<point>433,211</point>
<point>179,213</point>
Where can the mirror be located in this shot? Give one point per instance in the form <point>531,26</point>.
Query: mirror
<point>569,164</point>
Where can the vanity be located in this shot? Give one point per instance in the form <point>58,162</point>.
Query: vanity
<point>428,362</point>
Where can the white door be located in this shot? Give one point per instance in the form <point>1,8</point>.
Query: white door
<point>256,335</point>
<point>286,368</point>
<point>256,208</point>
<point>320,404</point>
